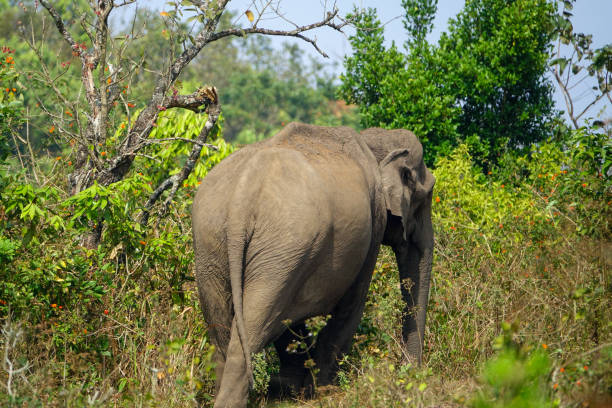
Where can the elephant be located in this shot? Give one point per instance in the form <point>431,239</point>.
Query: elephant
<point>290,228</point>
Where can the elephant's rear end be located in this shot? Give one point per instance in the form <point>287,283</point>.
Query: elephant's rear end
<point>249,238</point>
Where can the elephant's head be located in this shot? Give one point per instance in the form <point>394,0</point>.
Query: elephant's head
<point>407,183</point>
<point>407,186</point>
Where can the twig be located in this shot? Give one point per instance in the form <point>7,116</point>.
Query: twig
<point>32,158</point>
<point>18,151</point>
<point>11,337</point>
<point>297,32</point>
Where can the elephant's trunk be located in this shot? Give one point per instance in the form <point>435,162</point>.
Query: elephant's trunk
<point>415,273</point>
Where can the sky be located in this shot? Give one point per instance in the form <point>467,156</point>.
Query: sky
<point>590,17</point>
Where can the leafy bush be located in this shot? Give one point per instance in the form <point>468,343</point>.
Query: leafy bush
<point>96,310</point>
<point>571,178</point>
<point>483,84</point>
<point>515,377</point>
<point>11,114</point>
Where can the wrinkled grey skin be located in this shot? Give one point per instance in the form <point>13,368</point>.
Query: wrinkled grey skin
<point>290,228</point>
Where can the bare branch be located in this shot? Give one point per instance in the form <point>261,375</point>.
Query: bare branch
<point>29,145</point>
<point>183,139</point>
<point>593,102</point>
<point>173,182</point>
<point>23,167</point>
<point>119,166</point>
<point>297,32</point>
<point>144,123</point>
<point>85,28</point>
<point>567,97</point>
<point>125,3</point>
<point>194,102</point>
<point>12,335</point>
<point>59,23</point>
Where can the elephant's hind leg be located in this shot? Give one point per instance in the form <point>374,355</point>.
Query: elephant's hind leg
<point>290,379</point>
<point>217,310</point>
<point>262,326</point>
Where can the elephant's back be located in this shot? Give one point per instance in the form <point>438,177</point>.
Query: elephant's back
<point>309,218</point>
<point>317,146</point>
<point>316,141</point>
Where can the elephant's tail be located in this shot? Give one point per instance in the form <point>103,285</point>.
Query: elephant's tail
<point>237,244</point>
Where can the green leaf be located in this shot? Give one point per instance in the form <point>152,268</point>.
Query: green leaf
<point>122,384</point>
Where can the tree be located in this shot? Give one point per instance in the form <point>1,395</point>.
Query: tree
<point>484,83</point>
<point>394,90</point>
<point>273,88</point>
<point>89,122</point>
<point>418,20</point>
<point>501,53</point>
<point>579,65</point>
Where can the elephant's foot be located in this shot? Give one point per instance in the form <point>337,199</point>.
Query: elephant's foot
<point>327,375</point>
<point>283,387</point>
<point>288,385</point>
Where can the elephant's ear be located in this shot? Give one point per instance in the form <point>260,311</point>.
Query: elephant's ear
<point>396,179</point>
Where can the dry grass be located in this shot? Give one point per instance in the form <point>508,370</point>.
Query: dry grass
<point>143,342</point>
<point>157,352</point>
<point>472,294</point>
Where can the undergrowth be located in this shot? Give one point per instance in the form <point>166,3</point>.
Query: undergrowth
<point>519,314</point>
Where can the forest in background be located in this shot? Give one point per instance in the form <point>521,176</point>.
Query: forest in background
<point>520,306</point>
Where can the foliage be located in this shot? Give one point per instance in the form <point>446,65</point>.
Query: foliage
<point>483,84</point>
<point>10,101</point>
<point>483,208</point>
<point>574,57</point>
<point>515,377</point>
<point>260,99</point>
<point>499,76</point>
<point>569,177</point>
<point>162,160</point>
<point>418,20</point>
<point>397,91</point>
<point>102,309</point>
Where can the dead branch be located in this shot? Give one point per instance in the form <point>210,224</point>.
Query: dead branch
<point>12,335</point>
<point>328,21</point>
<point>199,101</point>
<point>581,59</point>
<point>59,23</point>
<point>173,182</point>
